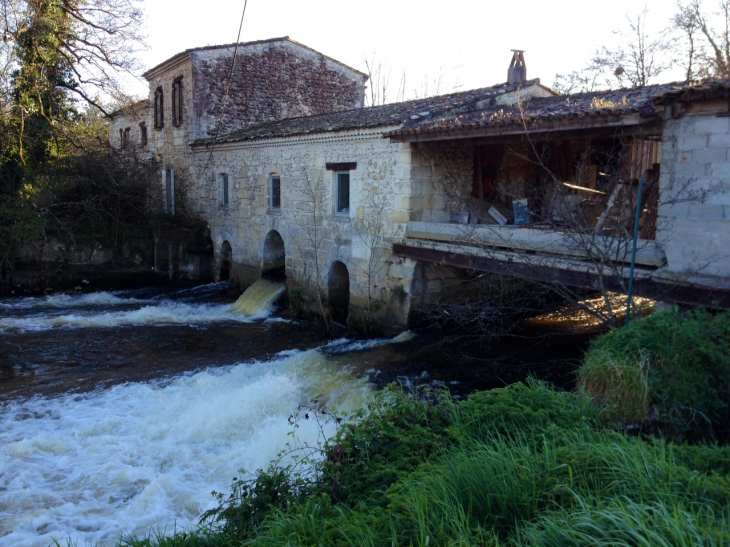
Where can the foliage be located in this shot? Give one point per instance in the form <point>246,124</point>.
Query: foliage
<point>101,197</point>
<point>523,465</point>
<point>59,67</point>
<point>673,365</point>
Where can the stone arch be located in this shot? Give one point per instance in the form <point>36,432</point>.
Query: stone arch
<point>225,261</point>
<point>274,254</point>
<point>338,291</point>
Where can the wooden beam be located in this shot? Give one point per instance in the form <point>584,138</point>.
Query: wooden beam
<point>649,288</point>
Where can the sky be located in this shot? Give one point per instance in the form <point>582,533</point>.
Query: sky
<point>465,43</point>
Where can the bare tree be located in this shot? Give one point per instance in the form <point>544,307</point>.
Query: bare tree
<point>638,58</point>
<point>714,26</point>
<point>94,40</point>
<point>379,89</point>
<point>429,86</point>
<point>377,240</point>
<point>688,47</point>
<point>311,220</point>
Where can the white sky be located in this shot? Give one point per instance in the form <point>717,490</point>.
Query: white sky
<point>467,42</point>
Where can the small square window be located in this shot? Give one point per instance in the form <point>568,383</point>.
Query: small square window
<point>224,190</point>
<point>342,193</point>
<point>275,201</point>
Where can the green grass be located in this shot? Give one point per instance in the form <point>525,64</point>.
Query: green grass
<point>671,368</point>
<point>522,465</point>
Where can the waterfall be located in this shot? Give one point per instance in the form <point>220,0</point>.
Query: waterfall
<point>259,298</point>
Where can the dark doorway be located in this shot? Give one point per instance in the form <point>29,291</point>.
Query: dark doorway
<point>274,263</point>
<point>224,270</point>
<point>338,289</point>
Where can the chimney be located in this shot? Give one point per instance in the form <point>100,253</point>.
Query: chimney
<point>517,72</point>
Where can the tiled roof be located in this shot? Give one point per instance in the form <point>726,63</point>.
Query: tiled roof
<point>542,110</point>
<point>374,116</point>
<point>479,109</point>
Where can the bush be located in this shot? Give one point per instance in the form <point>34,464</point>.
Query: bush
<point>671,367</point>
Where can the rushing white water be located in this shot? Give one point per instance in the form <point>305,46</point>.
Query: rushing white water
<point>255,304</point>
<point>70,301</point>
<point>159,314</point>
<point>140,457</point>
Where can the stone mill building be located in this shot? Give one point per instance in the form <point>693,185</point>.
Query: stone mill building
<point>380,209</point>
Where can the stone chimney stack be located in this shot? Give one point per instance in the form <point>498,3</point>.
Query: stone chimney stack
<point>517,72</point>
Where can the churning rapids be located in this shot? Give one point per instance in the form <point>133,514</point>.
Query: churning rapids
<point>94,445</point>
<point>121,412</point>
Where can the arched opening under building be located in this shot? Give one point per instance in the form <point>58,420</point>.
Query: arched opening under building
<point>274,264</point>
<point>225,261</point>
<point>338,290</point>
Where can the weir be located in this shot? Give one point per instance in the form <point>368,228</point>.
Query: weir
<point>259,297</point>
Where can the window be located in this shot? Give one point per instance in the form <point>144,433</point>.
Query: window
<point>159,109</point>
<point>177,101</point>
<point>223,188</point>
<point>124,137</point>
<point>169,185</point>
<point>342,193</point>
<point>142,134</point>
<point>275,189</point>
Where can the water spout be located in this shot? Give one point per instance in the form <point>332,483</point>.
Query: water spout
<point>259,297</point>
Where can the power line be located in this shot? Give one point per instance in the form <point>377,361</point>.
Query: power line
<point>228,89</point>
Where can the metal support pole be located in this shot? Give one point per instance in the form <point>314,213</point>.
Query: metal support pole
<point>633,250</point>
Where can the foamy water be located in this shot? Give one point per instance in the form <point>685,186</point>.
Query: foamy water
<point>255,304</point>
<point>140,457</point>
<point>70,301</point>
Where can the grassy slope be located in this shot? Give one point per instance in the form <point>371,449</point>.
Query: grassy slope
<point>523,465</point>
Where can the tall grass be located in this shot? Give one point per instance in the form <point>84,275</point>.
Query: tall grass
<point>672,367</point>
<point>523,465</point>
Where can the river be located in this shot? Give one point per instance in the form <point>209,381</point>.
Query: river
<point>121,411</point>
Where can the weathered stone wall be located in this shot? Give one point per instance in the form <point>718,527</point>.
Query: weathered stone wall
<point>171,143</point>
<point>314,237</point>
<point>129,117</point>
<point>440,182</point>
<point>271,81</point>
<point>694,209</point>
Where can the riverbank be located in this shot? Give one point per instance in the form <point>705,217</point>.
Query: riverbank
<point>521,465</point>
<point>121,410</point>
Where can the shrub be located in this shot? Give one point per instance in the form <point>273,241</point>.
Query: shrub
<point>673,365</point>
